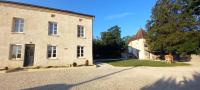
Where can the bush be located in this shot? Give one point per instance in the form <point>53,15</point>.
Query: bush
<point>86,63</point>
<point>50,66</point>
<point>6,68</point>
<point>38,67</point>
<point>185,57</point>
<point>74,64</point>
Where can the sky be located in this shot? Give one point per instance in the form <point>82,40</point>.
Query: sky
<point>130,15</point>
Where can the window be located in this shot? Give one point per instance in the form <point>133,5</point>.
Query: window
<point>51,52</point>
<point>16,51</point>
<point>145,45</point>
<point>80,51</point>
<point>52,28</point>
<point>18,25</point>
<point>80,32</point>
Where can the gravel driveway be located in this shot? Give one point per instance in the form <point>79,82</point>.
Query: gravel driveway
<point>105,77</point>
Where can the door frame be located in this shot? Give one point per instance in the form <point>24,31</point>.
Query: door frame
<point>25,59</point>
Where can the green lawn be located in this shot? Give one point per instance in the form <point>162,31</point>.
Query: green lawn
<point>136,63</point>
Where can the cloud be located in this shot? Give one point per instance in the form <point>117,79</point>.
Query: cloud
<point>118,16</point>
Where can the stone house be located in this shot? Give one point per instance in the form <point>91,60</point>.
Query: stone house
<point>34,35</point>
<point>138,47</point>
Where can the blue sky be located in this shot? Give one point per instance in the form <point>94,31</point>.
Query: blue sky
<point>130,15</point>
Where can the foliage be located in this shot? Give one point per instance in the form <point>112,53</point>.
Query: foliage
<point>110,45</point>
<point>136,63</point>
<point>174,27</point>
<point>125,42</point>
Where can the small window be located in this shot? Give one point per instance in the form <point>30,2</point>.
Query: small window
<point>80,51</point>
<point>52,28</point>
<point>18,25</point>
<point>145,45</point>
<point>80,31</point>
<point>52,52</point>
<point>53,15</point>
<point>16,51</point>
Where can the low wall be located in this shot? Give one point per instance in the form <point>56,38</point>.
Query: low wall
<point>195,58</point>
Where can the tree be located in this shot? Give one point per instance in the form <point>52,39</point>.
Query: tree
<point>125,42</point>
<point>112,36</point>
<point>111,40</point>
<point>110,45</point>
<point>174,27</point>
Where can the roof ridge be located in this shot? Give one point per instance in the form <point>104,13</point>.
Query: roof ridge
<point>140,34</point>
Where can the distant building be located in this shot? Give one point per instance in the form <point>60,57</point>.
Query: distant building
<point>138,47</point>
<point>41,36</point>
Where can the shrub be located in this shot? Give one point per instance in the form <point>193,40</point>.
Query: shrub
<point>6,68</point>
<point>86,63</point>
<point>74,64</point>
<point>38,67</point>
<point>49,66</point>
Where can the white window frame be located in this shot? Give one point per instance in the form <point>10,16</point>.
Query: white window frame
<point>54,29</point>
<point>80,31</point>
<point>80,51</point>
<point>17,52</point>
<point>52,48</point>
<point>18,25</point>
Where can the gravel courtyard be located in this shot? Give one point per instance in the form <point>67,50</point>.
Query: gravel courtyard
<point>105,77</point>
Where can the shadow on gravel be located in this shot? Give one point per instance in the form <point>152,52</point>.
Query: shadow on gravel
<point>67,87</point>
<point>171,84</point>
<point>51,87</point>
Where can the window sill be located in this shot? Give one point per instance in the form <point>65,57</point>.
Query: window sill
<point>55,35</point>
<point>82,38</point>
<point>16,59</point>
<point>81,57</point>
<point>17,33</point>
<point>52,58</point>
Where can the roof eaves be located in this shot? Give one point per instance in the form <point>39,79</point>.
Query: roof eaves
<point>31,5</point>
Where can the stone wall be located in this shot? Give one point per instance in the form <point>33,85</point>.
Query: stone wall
<point>36,32</point>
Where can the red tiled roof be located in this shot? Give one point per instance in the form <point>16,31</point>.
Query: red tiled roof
<point>140,34</point>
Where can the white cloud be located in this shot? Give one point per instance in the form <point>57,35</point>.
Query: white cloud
<point>117,16</point>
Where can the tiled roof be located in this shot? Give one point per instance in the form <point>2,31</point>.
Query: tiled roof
<point>31,5</point>
<point>140,34</point>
